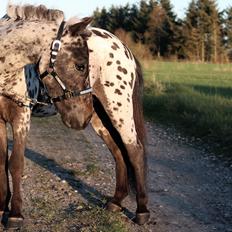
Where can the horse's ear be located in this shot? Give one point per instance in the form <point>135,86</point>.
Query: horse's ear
<point>78,28</point>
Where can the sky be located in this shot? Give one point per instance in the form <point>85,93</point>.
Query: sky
<point>85,8</point>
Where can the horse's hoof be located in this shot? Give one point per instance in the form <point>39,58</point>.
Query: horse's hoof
<point>113,207</point>
<point>142,218</point>
<point>14,223</point>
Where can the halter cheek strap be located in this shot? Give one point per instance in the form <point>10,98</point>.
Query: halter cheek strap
<point>55,48</point>
<point>56,45</point>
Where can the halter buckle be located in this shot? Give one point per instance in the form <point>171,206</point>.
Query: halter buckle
<point>68,94</point>
<point>56,45</point>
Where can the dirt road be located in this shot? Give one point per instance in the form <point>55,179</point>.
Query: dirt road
<point>69,175</point>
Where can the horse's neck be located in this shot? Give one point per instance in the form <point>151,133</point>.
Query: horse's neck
<point>22,43</point>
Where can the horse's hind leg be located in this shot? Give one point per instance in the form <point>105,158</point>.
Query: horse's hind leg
<point>121,190</point>
<point>136,155</point>
<point>3,166</point>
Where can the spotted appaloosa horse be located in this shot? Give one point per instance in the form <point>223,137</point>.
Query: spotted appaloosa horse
<point>117,82</point>
<point>26,39</point>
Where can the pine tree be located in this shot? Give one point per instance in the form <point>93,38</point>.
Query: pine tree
<point>156,34</point>
<point>190,33</point>
<point>228,28</point>
<point>119,18</point>
<point>101,18</point>
<point>142,19</point>
<point>170,43</point>
<point>209,30</point>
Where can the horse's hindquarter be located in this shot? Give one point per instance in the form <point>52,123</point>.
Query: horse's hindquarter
<point>112,76</point>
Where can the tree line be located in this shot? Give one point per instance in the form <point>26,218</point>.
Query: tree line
<point>153,29</point>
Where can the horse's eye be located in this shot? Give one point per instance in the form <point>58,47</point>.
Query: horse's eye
<point>80,67</point>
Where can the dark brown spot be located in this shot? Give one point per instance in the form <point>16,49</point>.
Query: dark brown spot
<point>118,77</point>
<point>115,109</point>
<point>123,70</point>
<point>113,47</point>
<point>109,63</point>
<point>132,80</point>
<point>111,55</point>
<point>126,53</point>
<point>98,33</point>
<point>2,59</point>
<point>118,91</point>
<point>118,62</point>
<point>111,84</point>
<point>119,68</point>
<point>116,45</point>
<point>119,104</point>
<point>107,34</point>
<point>122,86</point>
<point>121,120</point>
<point>124,82</point>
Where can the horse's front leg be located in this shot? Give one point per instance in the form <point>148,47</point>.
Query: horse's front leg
<point>3,168</point>
<point>20,126</point>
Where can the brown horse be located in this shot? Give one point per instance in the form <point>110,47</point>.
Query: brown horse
<point>34,35</point>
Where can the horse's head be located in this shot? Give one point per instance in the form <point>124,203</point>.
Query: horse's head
<point>67,75</point>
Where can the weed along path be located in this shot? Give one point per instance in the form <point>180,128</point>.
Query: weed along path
<point>69,175</point>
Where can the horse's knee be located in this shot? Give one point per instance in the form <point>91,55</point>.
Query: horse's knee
<point>16,165</point>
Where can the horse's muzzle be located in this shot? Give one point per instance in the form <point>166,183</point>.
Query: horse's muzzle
<point>78,123</point>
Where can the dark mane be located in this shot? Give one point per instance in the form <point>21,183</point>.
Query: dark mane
<point>30,12</point>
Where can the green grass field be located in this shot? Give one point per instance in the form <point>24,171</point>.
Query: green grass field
<point>196,97</point>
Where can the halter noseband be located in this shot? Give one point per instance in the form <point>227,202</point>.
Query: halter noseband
<point>55,48</point>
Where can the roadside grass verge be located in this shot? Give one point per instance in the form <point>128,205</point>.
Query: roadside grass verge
<point>194,97</point>
<point>76,217</point>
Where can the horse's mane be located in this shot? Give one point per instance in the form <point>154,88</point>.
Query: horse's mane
<point>30,12</point>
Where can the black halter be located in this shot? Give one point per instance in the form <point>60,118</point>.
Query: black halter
<point>55,48</point>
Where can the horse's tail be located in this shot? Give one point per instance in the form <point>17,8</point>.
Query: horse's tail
<point>138,104</point>
<point>139,122</point>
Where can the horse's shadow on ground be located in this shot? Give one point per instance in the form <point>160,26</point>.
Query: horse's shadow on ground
<point>89,193</point>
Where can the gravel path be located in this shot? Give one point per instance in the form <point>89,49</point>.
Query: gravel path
<point>69,175</point>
